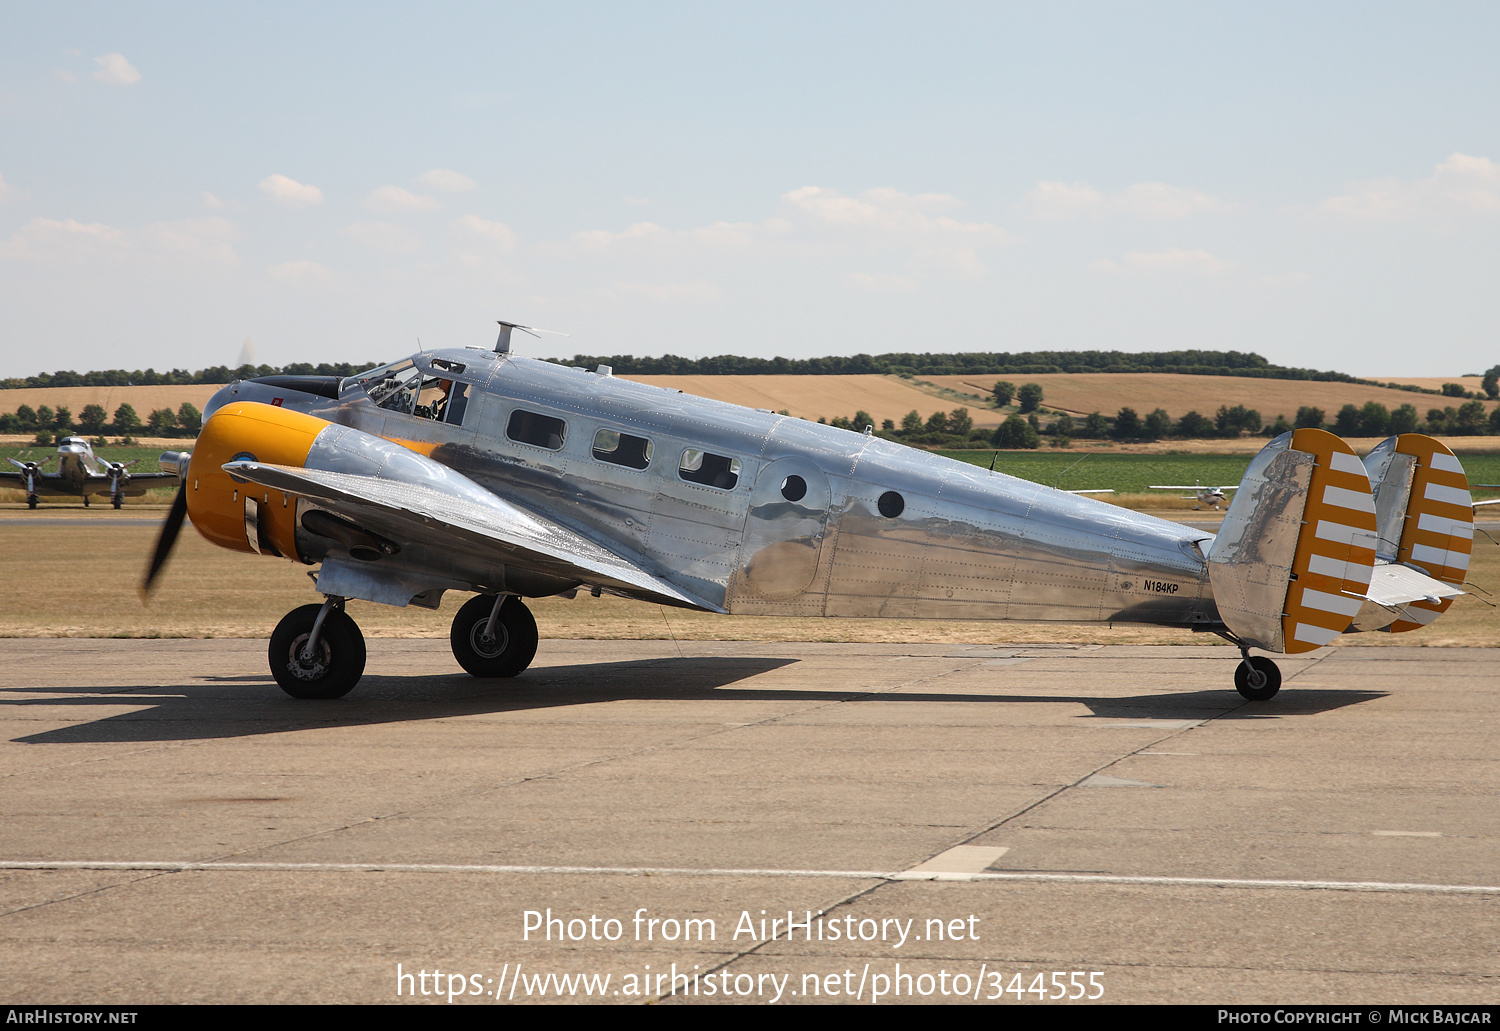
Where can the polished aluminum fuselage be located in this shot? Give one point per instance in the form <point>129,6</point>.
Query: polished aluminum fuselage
<point>966,544</point>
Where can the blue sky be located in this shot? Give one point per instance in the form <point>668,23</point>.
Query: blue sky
<point>1318,183</point>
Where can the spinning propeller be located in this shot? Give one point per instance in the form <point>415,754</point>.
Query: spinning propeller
<point>172,461</point>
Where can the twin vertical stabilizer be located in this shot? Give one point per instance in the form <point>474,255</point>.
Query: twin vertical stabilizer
<point>1318,542</point>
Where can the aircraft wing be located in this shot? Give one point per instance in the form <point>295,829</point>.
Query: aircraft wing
<point>138,483</point>
<point>411,511</point>
<point>1491,501</point>
<point>1188,486</point>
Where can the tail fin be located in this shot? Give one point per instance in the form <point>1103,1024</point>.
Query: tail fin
<point>1426,520</point>
<point>1292,562</point>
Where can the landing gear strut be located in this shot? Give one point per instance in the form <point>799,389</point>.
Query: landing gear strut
<point>317,651</point>
<point>493,635</point>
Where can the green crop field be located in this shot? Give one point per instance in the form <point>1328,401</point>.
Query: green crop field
<point>1132,474</point>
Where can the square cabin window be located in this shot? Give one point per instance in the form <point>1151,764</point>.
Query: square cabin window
<point>618,448</point>
<point>537,430</point>
<point>709,470</point>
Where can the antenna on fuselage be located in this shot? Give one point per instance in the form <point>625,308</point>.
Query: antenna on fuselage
<point>502,345</point>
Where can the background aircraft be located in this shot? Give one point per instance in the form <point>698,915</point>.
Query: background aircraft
<point>481,471</point>
<point>81,473</point>
<point>1203,495</point>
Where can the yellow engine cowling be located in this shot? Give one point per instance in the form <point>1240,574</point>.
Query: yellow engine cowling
<point>236,514</point>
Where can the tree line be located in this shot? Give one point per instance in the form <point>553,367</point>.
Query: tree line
<point>179,377</point>
<point>50,424</point>
<point>1024,428</point>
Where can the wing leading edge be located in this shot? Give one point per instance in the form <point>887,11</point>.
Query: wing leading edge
<point>410,511</point>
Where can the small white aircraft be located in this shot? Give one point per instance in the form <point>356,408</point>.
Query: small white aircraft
<point>81,473</point>
<point>1203,495</point>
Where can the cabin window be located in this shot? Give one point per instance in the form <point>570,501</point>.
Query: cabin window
<point>709,470</point>
<point>539,430</point>
<point>622,449</point>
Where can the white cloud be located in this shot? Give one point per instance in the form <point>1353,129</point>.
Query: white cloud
<point>663,293</point>
<point>395,200</point>
<point>116,71</point>
<point>200,239</point>
<point>472,230</point>
<point>881,282</point>
<point>48,240</point>
<point>301,272</point>
<point>383,236</point>
<point>290,192</point>
<point>64,75</point>
<point>1063,202</point>
<point>1173,260</point>
<point>447,180</point>
<point>637,201</point>
<point>882,210</point>
<point>1459,187</point>
<point>7,191</point>
<point>818,222</point>
<point>211,202</point>
<point>600,239</point>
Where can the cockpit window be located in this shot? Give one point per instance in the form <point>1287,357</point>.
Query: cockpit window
<point>618,448</point>
<point>392,387</point>
<point>710,470</point>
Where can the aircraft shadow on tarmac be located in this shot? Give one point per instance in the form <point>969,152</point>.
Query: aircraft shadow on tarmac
<point>226,707</point>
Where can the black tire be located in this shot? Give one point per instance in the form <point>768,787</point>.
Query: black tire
<point>339,664</point>
<point>514,643</point>
<point>31,500</point>
<point>1257,678</point>
<point>117,502</point>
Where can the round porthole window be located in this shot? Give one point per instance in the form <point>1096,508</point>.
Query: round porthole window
<point>794,488</point>
<point>891,504</point>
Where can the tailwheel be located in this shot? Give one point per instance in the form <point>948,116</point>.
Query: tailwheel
<point>498,647</point>
<point>331,666</point>
<point>1257,678</point>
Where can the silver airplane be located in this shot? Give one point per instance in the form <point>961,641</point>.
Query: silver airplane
<point>482,471</point>
<point>1202,495</point>
<point>81,473</point>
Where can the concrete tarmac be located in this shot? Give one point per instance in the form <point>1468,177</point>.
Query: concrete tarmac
<point>988,824</point>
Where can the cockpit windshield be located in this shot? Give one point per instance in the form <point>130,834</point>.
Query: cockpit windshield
<point>392,387</point>
<point>402,387</point>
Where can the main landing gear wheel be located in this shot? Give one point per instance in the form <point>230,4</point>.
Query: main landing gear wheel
<point>1257,678</point>
<point>31,500</point>
<point>506,651</point>
<point>336,664</point>
<point>117,501</point>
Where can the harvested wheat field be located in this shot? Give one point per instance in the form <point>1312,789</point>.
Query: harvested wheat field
<point>1471,383</point>
<point>809,397</point>
<point>891,397</point>
<point>144,400</point>
<point>1082,393</point>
